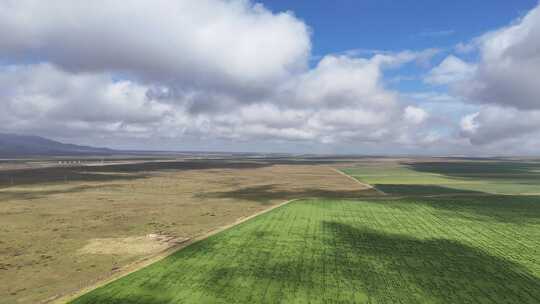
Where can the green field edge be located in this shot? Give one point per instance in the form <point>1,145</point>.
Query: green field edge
<point>69,298</point>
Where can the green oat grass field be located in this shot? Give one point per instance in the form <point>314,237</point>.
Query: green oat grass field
<point>450,176</point>
<point>388,250</point>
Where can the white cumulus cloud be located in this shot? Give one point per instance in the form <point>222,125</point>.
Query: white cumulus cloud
<point>450,70</point>
<point>507,73</point>
<point>216,71</point>
<point>225,44</point>
<point>415,115</point>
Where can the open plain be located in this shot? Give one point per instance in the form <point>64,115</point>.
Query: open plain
<point>355,230</point>
<point>269,151</point>
<point>64,229</point>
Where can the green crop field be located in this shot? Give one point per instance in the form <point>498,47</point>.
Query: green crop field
<point>460,250</point>
<point>445,232</point>
<point>444,177</point>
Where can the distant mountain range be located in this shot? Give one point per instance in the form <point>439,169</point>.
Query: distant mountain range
<point>12,145</point>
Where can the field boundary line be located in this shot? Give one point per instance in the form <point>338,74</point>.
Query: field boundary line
<point>147,261</point>
<point>368,186</point>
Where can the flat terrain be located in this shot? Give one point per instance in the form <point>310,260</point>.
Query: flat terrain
<point>431,231</point>
<point>359,251</point>
<point>62,229</point>
<point>438,234</point>
<point>449,176</point>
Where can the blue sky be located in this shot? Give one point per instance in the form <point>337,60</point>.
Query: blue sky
<point>390,25</point>
<point>355,77</point>
<point>395,25</point>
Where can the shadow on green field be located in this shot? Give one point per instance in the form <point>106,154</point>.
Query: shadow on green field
<point>134,299</point>
<point>266,193</point>
<point>441,269</point>
<point>404,189</point>
<point>481,205</point>
<point>501,208</point>
<point>489,170</point>
<point>387,268</point>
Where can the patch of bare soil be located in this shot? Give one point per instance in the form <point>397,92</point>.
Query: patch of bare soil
<point>141,245</point>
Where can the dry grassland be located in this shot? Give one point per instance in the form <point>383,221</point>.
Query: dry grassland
<point>90,223</point>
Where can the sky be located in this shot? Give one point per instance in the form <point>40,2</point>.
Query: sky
<point>413,77</point>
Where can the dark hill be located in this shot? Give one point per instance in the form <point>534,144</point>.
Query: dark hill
<point>12,145</point>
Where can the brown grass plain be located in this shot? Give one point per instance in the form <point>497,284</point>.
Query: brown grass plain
<point>64,229</point>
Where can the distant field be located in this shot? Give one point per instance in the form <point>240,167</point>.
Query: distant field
<point>440,177</point>
<point>466,250</point>
<point>62,229</point>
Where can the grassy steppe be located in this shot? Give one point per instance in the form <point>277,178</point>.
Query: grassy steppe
<point>63,229</point>
<point>410,250</point>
